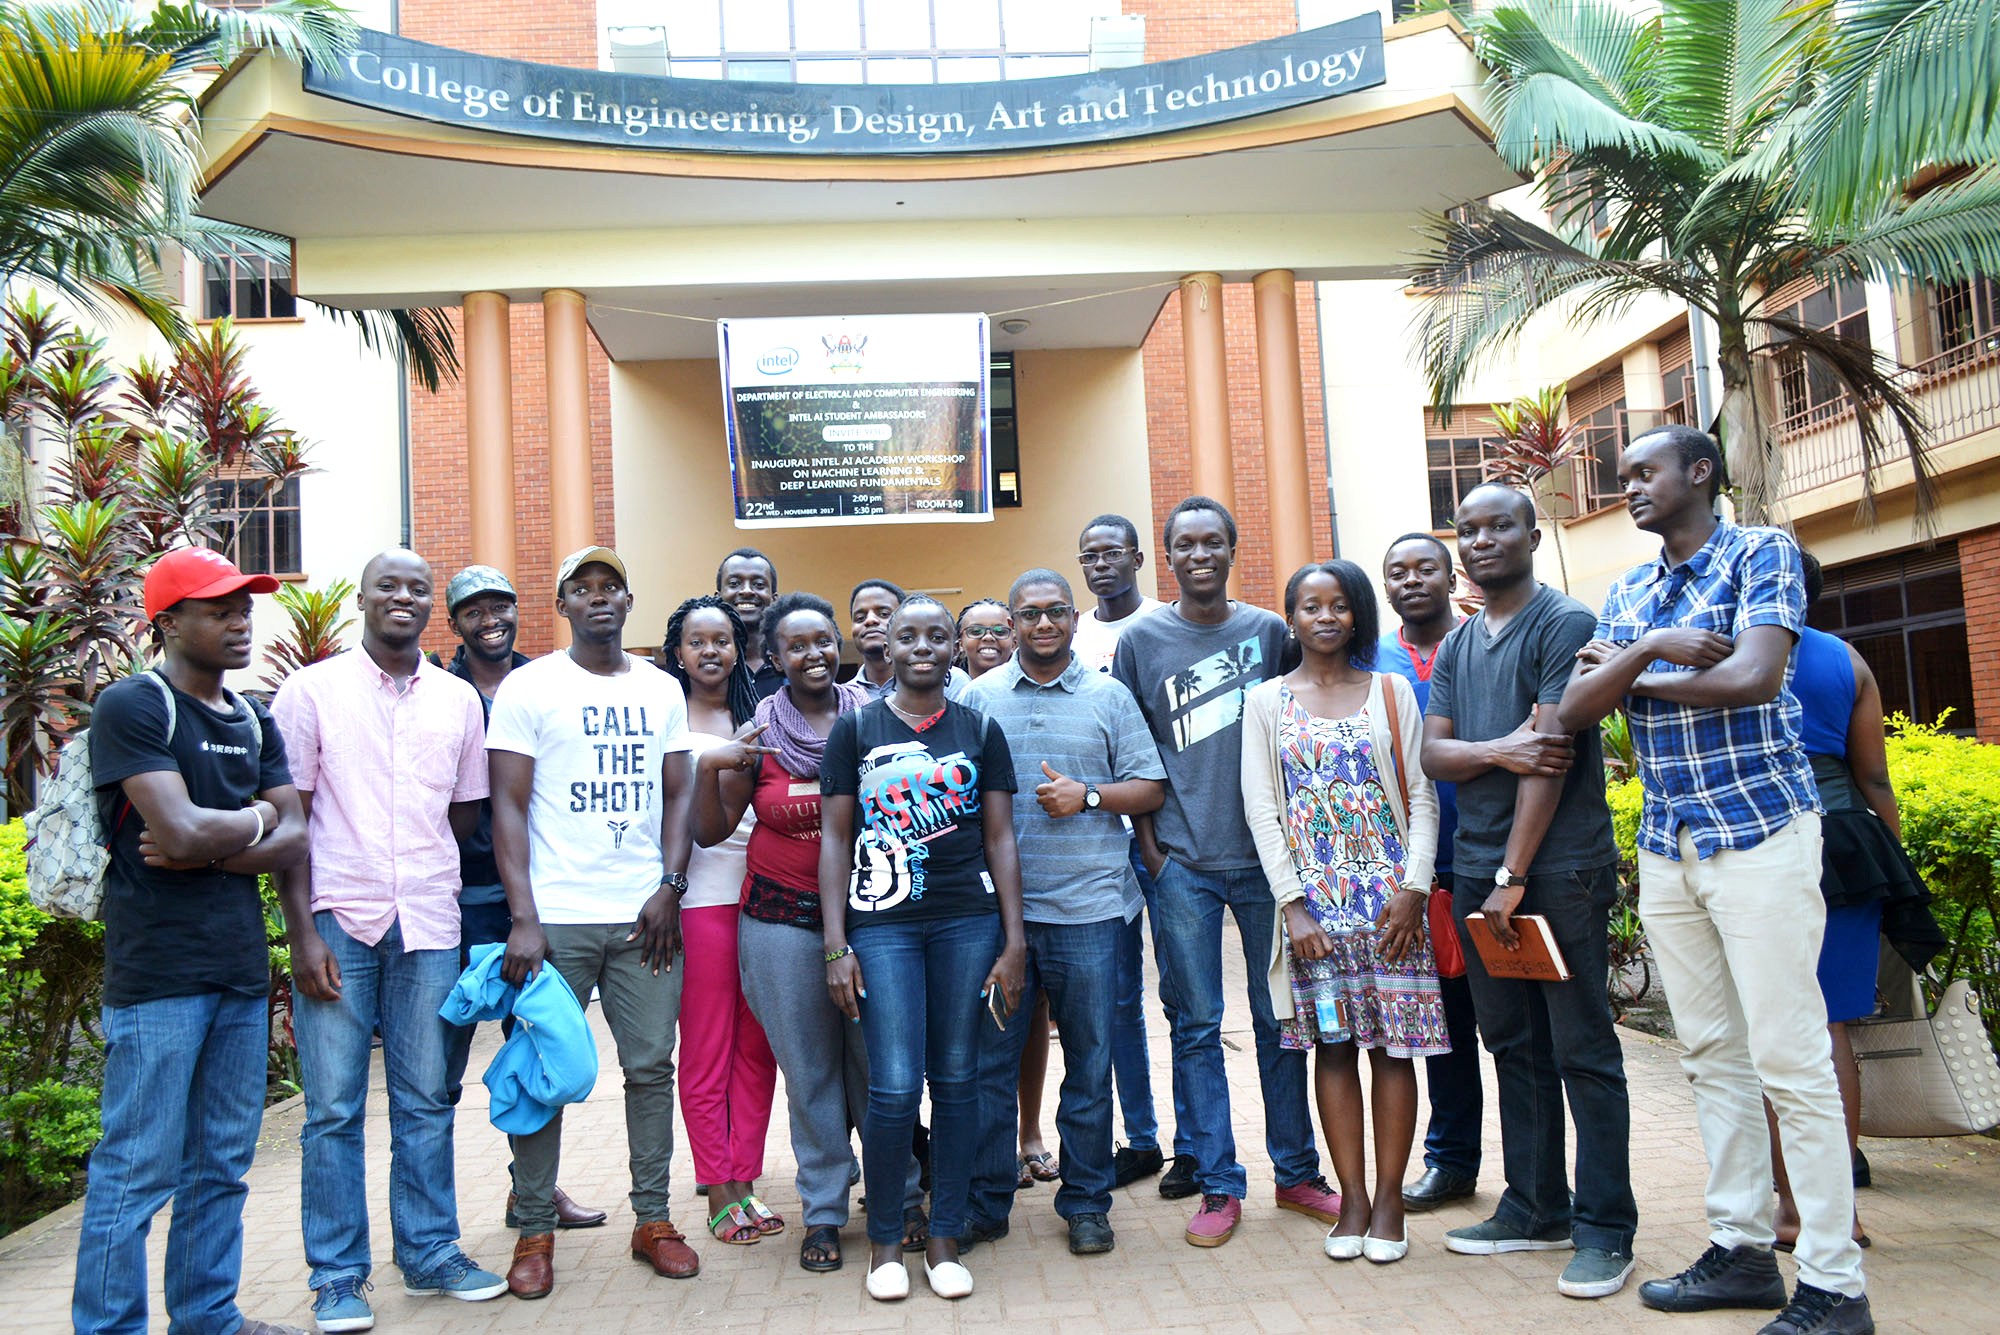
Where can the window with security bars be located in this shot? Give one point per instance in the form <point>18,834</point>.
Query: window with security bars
<point>1808,392</point>
<point>1597,409</point>
<point>1905,614</point>
<point>867,41</point>
<point>258,524</point>
<point>1456,459</point>
<point>1964,321</point>
<point>244,286</point>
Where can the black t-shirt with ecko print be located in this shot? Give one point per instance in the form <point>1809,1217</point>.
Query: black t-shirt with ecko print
<point>179,933</point>
<point>919,844</point>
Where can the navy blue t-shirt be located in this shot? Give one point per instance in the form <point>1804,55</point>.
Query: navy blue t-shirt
<point>180,933</point>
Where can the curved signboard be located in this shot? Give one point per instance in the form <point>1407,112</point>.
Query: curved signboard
<point>436,83</point>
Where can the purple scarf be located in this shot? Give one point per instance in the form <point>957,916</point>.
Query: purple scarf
<point>799,747</point>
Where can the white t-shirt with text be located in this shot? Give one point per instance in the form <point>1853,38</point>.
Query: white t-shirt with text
<point>598,744</point>
<point>1096,641</point>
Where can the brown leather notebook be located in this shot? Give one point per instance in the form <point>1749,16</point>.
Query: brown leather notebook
<point>1539,959</point>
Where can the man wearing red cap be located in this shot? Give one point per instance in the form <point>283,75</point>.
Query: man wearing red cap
<point>197,794</point>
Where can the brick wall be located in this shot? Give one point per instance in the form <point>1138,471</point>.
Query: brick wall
<point>556,32</point>
<point>1177,28</point>
<point>1979,569</point>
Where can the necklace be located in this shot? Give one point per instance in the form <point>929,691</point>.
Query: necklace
<point>918,722</point>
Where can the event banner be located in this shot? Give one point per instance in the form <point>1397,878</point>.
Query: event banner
<point>857,419</point>
<point>436,83</point>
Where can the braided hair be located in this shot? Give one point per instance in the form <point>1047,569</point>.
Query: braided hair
<point>740,692</point>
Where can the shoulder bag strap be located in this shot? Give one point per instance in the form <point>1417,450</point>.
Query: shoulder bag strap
<point>1395,737</point>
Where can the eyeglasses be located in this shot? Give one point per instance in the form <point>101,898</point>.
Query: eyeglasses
<point>1059,612</point>
<point>1109,556</point>
<point>987,632</point>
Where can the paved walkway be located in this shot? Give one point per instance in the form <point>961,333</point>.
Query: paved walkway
<point>1934,1213</point>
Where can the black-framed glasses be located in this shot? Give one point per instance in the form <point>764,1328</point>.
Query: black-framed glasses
<point>1109,556</point>
<point>1059,612</point>
<point>987,632</point>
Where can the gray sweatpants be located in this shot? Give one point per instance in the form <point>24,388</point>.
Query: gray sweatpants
<point>823,1059</point>
<point>644,1014</point>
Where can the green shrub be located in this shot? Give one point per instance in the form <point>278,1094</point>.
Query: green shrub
<point>1948,788</point>
<point>51,1053</point>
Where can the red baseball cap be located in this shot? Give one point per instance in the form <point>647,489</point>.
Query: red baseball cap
<point>197,572</point>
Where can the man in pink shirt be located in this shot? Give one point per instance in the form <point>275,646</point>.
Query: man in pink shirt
<point>389,759</point>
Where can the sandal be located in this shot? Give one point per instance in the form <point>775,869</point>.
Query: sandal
<point>767,1220</point>
<point>732,1225</point>
<point>824,1239</point>
<point>916,1229</point>
<point>1042,1166</point>
<point>1024,1176</point>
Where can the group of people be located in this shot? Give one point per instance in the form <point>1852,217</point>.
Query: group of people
<point>891,886</point>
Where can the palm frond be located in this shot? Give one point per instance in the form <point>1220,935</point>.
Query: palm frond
<point>1909,84</point>
<point>1723,68</point>
<point>423,335</point>
<point>1948,235</point>
<point>312,32</point>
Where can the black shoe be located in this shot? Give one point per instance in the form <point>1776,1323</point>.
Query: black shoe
<point>977,1233</point>
<point>1129,1165</point>
<point>1816,1312</point>
<point>1178,1181</point>
<point>1089,1234</point>
<point>1435,1187</point>
<point>1862,1177</point>
<point>1733,1277</point>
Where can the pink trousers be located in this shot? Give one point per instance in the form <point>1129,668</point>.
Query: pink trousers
<point>727,1072</point>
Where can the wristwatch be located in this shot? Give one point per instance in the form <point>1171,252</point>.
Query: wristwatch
<point>1092,799</point>
<point>1506,880</point>
<point>677,881</point>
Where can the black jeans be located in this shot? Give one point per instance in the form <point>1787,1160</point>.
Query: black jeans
<point>1548,1039</point>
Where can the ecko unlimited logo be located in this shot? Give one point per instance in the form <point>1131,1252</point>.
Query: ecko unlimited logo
<point>778,361</point>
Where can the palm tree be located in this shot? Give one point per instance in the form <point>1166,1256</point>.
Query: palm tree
<point>1734,146</point>
<point>100,153</point>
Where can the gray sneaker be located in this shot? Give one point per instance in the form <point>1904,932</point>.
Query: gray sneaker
<point>1490,1237</point>
<point>1594,1273</point>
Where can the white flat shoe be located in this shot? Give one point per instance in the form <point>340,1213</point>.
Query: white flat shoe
<point>890,1282</point>
<point>948,1279</point>
<point>1382,1251</point>
<point>1343,1247</point>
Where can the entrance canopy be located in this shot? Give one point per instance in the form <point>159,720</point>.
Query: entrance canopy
<point>1083,235</point>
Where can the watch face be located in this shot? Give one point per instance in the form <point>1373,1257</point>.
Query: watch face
<point>1091,798</point>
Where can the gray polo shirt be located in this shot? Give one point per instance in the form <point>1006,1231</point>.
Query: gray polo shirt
<point>1087,727</point>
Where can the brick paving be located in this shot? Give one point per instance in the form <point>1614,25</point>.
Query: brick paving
<point>1934,1214</point>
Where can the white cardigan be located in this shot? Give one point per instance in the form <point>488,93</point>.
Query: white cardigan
<point>1264,804</point>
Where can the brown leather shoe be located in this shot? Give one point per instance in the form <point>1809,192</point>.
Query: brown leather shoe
<point>664,1247</point>
<point>533,1273</point>
<point>568,1213</point>
<point>571,1215</point>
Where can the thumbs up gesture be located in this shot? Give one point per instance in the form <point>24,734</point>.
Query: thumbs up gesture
<point>1060,796</point>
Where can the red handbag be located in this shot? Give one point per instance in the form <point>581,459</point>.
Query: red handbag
<point>1446,948</point>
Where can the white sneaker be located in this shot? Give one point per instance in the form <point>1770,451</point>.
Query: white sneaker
<point>949,1279</point>
<point>889,1282</point>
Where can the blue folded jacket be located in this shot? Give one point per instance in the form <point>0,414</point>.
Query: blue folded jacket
<point>550,1059</point>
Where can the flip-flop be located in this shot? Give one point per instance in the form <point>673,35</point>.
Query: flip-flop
<point>825,1239</point>
<point>1864,1242</point>
<point>768,1221</point>
<point>1042,1166</point>
<point>732,1225</point>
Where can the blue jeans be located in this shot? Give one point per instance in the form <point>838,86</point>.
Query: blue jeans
<point>478,925</point>
<point>399,991</point>
<point>1188,932</point>
<point>1458,1101</point>
<point>1067,962</point>
<point>1548,1039</point>
<point>921,1018</point>
<point>182,1102</point>
<point>1131,1068</point>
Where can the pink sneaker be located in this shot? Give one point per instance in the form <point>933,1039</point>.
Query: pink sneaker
<point>1314,1197</point>
<point>1215,1222</point>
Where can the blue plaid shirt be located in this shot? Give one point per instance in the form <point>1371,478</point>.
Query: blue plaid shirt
<point>1731,777</point>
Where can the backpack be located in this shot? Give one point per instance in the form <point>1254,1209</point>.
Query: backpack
<point>68,850</point>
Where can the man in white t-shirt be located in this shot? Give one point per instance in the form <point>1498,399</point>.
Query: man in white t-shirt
<point>588,754</point>
<point>1108,551</point>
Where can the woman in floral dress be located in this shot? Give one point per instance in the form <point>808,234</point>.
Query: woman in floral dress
<point>1346,828</point>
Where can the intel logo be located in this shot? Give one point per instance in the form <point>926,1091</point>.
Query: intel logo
<point>778,361</point>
